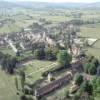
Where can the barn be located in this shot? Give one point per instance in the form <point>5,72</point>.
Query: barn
<point>40,92</point>
<point>52,86</point>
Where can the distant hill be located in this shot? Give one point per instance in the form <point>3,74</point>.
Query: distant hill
<point>5,4</point>
<point>42,5</point>
<point>94,5</point>
<point>58,5</point>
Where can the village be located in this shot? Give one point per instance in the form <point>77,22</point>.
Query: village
<point>49,51</point>
<point>67,51</point>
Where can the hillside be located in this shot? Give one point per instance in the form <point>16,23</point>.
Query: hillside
<point>5,4</point>
<point>40,5</point>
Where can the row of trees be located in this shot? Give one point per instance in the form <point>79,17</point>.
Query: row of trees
<point>91,65</point>
<point>47,54</point>
<point>64,58</point>
<point>8,62</point>
<point>85,88</point>
<point>61,56</point>
<point>22,91</point>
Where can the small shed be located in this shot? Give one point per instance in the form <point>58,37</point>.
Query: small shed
<point>50,77</point>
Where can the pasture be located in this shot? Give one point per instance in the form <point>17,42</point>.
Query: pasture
<point>92,31</point>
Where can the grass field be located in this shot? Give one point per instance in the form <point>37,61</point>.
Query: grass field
<point>35,68</point>
<point>7,87</point>
<point>92,31</point>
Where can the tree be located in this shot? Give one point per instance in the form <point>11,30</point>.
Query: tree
<point>86,67</point>
<point>39,54</point>
<point>92,69</point>
<point>1,55</point>
<point>9,63</point>
<point>95,62</point>
<point>87,87</point>
<point>22,76</point>
<point>18,53</point>
<point>64,58</point>
<point>16,83</point>
<point>98,82</point>
<point>93,82</point>
<point>5,61</point>
<point>50,54</point>
<point>78,79</point>
<point>90,58</point>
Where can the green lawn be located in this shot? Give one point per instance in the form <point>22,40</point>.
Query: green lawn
<point>97,98</point>
<point>35,69</point>
<point>7,87</point>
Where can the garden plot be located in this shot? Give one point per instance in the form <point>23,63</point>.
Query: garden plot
<point>35,68</point>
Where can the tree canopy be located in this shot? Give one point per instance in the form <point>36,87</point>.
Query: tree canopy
<point>64,58</point>
<point>78,79</point>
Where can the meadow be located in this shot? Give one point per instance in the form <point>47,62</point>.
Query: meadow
<point>7,87</point>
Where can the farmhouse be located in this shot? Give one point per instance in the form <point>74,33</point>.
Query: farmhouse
<point>52,86</point>
<point>75,67</point>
